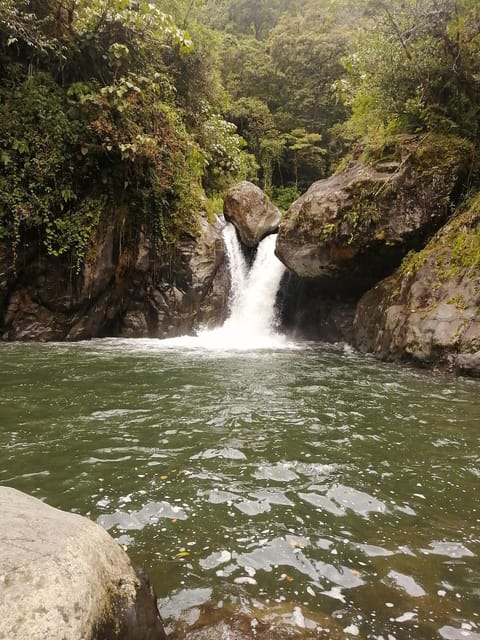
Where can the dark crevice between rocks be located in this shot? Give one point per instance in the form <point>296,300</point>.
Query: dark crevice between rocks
<point>312,309</point>
<point>140,621</point>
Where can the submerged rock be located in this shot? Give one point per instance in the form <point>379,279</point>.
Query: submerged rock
<point>262,622</point>
<point>252,213</point>
<point>354,227</point>
<point>62,576</point>
<point>429,310</point>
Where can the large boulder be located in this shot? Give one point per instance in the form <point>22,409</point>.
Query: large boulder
<point>252,213</point>
<point>355,227</point>
<point>428,312</point>
<point>62,576</point>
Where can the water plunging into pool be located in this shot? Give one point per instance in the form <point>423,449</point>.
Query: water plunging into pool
<point>251,323</point>
<point>252,311</point>
<point>310,489</point>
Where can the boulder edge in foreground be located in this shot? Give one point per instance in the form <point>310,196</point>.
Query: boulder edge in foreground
<point>63,576</point>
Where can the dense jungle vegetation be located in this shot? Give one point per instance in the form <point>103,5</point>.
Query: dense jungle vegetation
<point>143,113</point>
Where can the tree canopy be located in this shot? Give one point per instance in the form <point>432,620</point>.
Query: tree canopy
<point>129,111</point>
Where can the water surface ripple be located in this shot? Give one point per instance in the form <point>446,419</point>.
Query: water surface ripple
<point>338,491</point>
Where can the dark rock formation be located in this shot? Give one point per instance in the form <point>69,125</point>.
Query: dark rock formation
<point>428,312</point>
<point>252,213</point>
<point>310,310</point>
<point>132,291</point>
<point>62,576</point>
<point>354,227</point>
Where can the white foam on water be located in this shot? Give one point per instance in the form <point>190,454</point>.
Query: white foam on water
<point>252,321</point>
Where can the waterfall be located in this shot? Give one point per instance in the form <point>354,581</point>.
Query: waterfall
<point>252,312</point>
<point>251,322</point>
<point>237,264</point>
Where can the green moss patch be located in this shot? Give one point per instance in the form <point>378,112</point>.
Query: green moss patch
<point>455,250</point>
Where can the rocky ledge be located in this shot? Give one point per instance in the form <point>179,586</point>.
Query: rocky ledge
<point>383,257</point>
<point>129,291</point>
<point>62,576</point>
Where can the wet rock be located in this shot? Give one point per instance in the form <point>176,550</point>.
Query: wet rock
<point>310,309</point>
<point>62,576</point>
<point>252,213</point>
<point>132,291</point>
<point>134,325</point>
<point>429,310</point>
<point>354,227</point>
<point>188,289</point>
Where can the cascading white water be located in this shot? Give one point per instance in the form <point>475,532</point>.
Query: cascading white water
<point>251,322</point>
<point>238,267</point>
<point>252,312</point>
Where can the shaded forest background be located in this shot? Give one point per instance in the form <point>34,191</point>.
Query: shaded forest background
<point>147,112</point>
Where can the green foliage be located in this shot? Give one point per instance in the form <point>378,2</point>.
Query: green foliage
<point>110,109</point>
<point>23,34</point>
<point>223,154</point>
<point>455,251</point>
<point>99,104</point>
<point>283,197</point>
<point>213,206</point>
<point>256,124</point>
<point>252,18</point>
<point>415,69</point>
<point>37,181</point>
<point>305,150</point>
<point>282,80</point>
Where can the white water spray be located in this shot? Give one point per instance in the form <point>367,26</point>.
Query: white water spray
<point>252,314</point>
<point>237,264</point>
<point>251,323</point>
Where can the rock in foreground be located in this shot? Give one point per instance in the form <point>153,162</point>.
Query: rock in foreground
<point>252,213</point>
<point>62,576</point>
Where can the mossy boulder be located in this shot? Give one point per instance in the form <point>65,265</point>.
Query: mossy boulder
<point>357,225</point>
<point>429,310</point>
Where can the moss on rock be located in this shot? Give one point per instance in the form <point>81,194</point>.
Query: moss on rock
<point>364,219</point>
<point>429,310</point>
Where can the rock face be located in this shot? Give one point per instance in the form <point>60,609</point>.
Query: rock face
<point>428,312</point>
<point>252,213</point>
<point>354,227</point>
<point>62,576</point>
<point>134,292</point>
<point>309,310</point>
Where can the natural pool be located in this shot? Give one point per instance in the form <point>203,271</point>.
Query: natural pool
<point>306,482</point>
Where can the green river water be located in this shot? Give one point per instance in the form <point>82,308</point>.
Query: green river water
<point>337,492</point>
